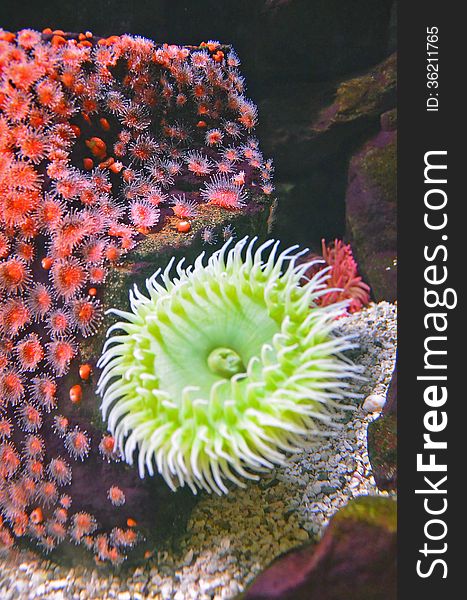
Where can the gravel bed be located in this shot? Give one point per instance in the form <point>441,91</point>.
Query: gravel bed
<point>230,539</point>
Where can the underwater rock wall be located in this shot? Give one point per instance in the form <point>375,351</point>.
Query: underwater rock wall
<point>371,208</point>
<point>324,39</point>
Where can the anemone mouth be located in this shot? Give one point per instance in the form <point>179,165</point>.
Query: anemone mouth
<point>223,368</point>
<point>225,362</point>
<point>205,332</point>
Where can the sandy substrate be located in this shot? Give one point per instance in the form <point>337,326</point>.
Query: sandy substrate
<point>230,539</point>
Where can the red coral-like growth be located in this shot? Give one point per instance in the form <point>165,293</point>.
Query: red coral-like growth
<point>98,140</point>
<point>344,283</point>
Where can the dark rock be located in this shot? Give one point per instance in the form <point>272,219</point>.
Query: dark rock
<point>382,441</point>
<point>277,39</point>
<point>382,449</point>
<point>390,407</point>
<point>312,207</point>
<point>311,132</point>
<point>364,96</point>
<point>356,558</point>
<point>389,120</point>
<point>305,40</point>
<point>371,211</point>
<point>392,29</point>
<point>313,122</point>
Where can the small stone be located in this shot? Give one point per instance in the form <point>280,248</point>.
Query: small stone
<point>58,584</point>
<point>301,534</point>
<point>188,558</point>
<point>354,482</point>
<point>374,403</point>
<point>316,488</point>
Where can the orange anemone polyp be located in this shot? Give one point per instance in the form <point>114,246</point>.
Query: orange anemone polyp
<point>36,516</point>
<point>183,226</point>
<point>47,262</point>
<point>14,275</point>
<point>97,147</point>
<point>85,371</point>
<point>76,394</point>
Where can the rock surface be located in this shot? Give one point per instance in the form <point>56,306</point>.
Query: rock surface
<point>382,441</point>
<point>371,209</point>
<point>303,39</point>
<point>313,132</point>
<point>356,558</point>
<point>313,120</point>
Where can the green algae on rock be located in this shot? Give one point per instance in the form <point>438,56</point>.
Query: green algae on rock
<point>366,95</point>
<point>371,202</point>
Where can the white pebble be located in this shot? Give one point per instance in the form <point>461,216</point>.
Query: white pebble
<point>374,403</point>
<point>58,584</point>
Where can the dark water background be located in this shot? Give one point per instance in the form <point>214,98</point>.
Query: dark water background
<point>293,53</point>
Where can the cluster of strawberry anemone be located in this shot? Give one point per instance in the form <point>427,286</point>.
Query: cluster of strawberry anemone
<point>344,282</point>
<point>101,140</point>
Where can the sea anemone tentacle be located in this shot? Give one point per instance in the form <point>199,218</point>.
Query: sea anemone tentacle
<point>226,367</point>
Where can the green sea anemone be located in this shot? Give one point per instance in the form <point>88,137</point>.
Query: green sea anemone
<point>224,368</point>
